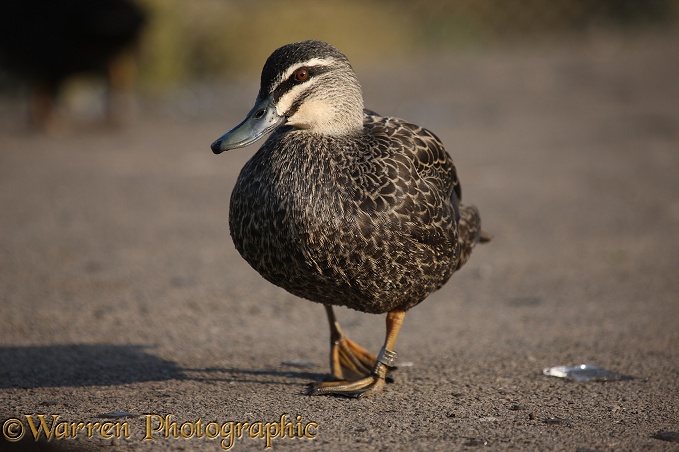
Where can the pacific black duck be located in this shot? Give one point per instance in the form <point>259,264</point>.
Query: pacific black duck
<point>345,207</point>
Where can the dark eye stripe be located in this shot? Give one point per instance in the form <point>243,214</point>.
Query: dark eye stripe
<point>287,84</point>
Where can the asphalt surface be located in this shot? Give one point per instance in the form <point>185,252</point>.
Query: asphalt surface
<point>123,300</point>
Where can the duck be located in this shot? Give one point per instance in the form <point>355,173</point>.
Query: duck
<point>343,206</point>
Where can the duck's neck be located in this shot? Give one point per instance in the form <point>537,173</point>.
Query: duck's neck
<point>318,117</point>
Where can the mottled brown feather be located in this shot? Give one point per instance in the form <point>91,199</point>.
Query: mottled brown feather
<point>371,221</point>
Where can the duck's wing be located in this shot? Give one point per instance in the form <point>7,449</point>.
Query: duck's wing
<point>423,150</point>
<point>432,161</point>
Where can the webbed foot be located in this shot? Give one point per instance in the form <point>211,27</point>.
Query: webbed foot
<point>362,387</point>
<point>350,359</point>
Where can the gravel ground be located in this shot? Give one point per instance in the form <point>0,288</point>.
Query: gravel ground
<point>123,301</point>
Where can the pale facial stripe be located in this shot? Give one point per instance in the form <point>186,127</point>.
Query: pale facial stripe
<point>285,102</point>
<point>309,63</point>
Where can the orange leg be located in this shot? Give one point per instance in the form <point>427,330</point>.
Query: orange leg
<point>347,358</point>
<point>373,382</point>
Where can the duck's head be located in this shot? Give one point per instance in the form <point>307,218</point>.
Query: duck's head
<point>307,85</point>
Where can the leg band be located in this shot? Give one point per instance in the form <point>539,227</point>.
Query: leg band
<point>387,357</point>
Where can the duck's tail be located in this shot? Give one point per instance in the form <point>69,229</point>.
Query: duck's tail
<point>470,232</point>
<point>485,237</point>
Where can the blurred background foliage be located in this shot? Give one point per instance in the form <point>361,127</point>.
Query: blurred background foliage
<point>188,40</point>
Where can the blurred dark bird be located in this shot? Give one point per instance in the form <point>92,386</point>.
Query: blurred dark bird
<point>345,207</point>
<point>47,41</point>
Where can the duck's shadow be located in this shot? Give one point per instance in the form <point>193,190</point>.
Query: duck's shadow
<point>261,376</point>
<point>77,365</point>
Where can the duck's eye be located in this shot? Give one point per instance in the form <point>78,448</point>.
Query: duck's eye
<point>301,75</point>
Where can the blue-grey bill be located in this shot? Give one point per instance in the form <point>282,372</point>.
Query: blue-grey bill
<point>261,120</point>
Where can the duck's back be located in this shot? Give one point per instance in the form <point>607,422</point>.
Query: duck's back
<point>368,221</point>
